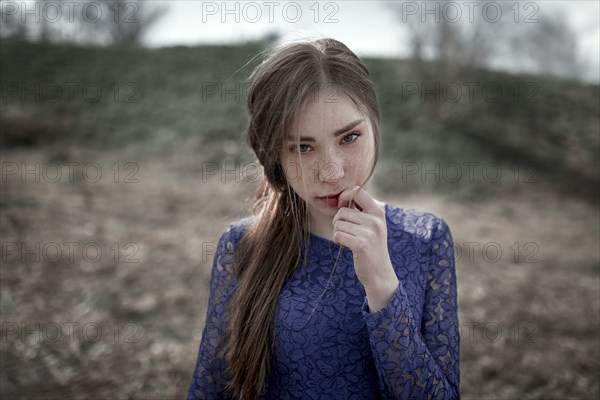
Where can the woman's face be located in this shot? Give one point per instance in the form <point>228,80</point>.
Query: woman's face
<point>330,148</point>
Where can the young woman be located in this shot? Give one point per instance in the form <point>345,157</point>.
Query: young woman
<point>324,292</point>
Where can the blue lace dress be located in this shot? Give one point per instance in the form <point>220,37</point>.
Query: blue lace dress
<point>409,349</point>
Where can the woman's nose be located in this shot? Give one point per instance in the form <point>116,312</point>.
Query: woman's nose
<point>331,168</point>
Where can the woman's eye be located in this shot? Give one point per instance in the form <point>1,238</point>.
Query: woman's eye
<point>298,149</point>
<point>350,135</point>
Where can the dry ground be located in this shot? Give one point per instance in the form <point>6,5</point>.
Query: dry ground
<point>113,329</point>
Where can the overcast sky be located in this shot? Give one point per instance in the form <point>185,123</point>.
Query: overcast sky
<point>367,27</point>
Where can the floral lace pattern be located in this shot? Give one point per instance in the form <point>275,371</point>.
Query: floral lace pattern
<point>409,349</point>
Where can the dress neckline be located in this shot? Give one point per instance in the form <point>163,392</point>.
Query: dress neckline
<point>332,243</point>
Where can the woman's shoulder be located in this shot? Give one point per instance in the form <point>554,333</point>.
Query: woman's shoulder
<point>240,225</point>
<point>236,229</point>
<point>413,221</point>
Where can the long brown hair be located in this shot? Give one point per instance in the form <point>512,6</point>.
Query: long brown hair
<point>270,250</point>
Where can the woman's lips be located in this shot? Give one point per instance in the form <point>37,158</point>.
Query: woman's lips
<point>331,201</point>
<point>332,195</point>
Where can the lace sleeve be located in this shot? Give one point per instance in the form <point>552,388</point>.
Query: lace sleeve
<point>420,359</point>
<point>210,375</point>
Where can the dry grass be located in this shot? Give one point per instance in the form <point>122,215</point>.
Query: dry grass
<point>158,304</point>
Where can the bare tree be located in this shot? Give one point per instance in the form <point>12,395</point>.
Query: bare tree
<point>545,43</point>
<point>448,34</point>
<point>548,46</point>
<point>86,22</point>
<point>129,20</point>
<point>11,25</point>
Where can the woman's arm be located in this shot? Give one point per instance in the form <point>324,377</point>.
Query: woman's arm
<point>210,377</point>
<point>418,359</point>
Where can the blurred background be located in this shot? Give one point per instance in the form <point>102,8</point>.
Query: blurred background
<point>124,159</point>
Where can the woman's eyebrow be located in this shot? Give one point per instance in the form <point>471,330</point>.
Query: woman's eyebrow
<point>335,134</point>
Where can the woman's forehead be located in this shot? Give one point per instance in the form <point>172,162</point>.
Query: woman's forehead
<point>320,117</point>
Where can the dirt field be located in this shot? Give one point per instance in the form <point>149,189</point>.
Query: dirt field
<point>126,323</point>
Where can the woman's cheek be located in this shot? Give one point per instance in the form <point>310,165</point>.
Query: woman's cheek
<point>309,175</point>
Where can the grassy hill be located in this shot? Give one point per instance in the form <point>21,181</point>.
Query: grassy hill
<point>190,101</point>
